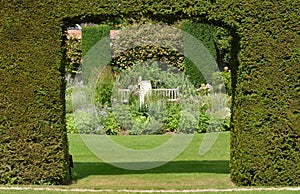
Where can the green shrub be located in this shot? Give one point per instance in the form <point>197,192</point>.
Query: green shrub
<point>86,122</point>
<point>214,112</point>
<point>265,74</point>
<point>223,81</point>
<point>71,124</point>
<point>141,43</point>
<point>111,125</point>
<point>172,120</point>
<point>223,43</point>
<point>188,122</point>
<point>161,75</point>
<point>104,87</point>
<point>93,34</point>
<point>73,56</point>
<point>204,120</point>
<point>68,98</point>
<point>205,33</point>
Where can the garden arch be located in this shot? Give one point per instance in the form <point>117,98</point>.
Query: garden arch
<point>265,133</point>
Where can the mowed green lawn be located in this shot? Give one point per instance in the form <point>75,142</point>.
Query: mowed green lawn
<point>188,171</point>
<point>130,192</point>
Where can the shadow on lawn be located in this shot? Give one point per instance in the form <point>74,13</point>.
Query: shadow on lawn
<point>84,169</point>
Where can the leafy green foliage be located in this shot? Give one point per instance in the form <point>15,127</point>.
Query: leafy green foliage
<point>223,41</point>
<point>93,34</point>
<point>206,35</point>
<point>71,124</point>
<point>111,125</point>
<point>204,120</point>
<point>141,43</point>
<point>223,80</point>
<point>264,62</point>
<point>265,136</point>
<point>73,56</point>
<point>68,99</point>
<point>85,122</point>
<point>161,75</point>
<point>172,121</point>
<point>105,86</point>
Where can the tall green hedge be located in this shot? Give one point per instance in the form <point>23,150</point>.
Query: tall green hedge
<point>265,129</point>
<point>33,139</point>
<point>205,33</point>
<point>265,139</point>
<point>93,34</point>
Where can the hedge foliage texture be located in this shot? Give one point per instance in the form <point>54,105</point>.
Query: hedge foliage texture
<point>266,130</point>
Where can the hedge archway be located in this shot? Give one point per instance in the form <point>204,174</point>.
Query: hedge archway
<point>266,130</point>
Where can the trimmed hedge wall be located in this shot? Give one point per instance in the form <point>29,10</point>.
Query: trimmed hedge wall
<point>266,130</point>
<point>265,141</point>
<point>206,34</point>
<point>33,143</point>
<point>93,34</point>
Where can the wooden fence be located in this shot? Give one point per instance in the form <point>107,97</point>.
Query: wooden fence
<point>167,94</point>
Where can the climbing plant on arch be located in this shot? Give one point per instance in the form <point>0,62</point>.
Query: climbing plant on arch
<point>265,123</point>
